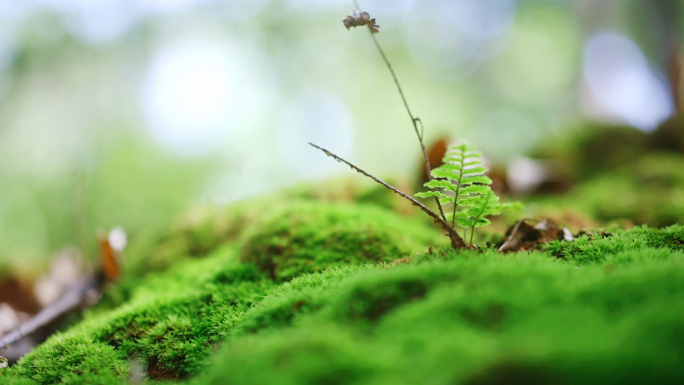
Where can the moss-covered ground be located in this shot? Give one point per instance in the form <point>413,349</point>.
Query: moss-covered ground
<point>349,293</point>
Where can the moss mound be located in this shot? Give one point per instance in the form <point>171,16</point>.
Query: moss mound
<point>597,310</point>
<point>168,325</point>
<point>75,360</point>
<point>470,318</point>
<point>648,190</point>
<point>307,237</point>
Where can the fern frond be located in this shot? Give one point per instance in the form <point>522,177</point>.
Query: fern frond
<point>462,174</point>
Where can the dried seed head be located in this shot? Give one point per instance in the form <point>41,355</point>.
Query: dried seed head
<point>358,18</point>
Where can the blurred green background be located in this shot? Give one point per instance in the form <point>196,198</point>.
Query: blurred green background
<point>123,112</point>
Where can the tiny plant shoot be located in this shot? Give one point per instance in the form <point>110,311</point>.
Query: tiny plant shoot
<point>461,174</point>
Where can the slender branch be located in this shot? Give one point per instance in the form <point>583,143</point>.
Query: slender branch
<point>72,299</point>
<point>456,241</point>
<point>414,120</point>
<point>421,136</point>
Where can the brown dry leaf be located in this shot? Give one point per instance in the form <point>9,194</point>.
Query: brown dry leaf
<point>522,236</point>
<point>358,18</point>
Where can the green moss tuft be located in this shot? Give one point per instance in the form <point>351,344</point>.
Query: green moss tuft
<point>323,356</point>
<point>74,360</point>
<point>303,295</point>
<point>475,318</point>
<point>371,296</point>
<point>308,237</point>
<point>587,249</point>
<point>608,311</point>
<point>173,348</point>
<point>169,323</point>
<point>197,234</point>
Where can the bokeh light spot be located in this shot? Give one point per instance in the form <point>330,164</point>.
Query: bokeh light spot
<point>622,82</point>
<point>189,94</point>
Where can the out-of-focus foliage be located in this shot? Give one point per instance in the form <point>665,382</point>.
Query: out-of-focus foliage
<point>123,112</point>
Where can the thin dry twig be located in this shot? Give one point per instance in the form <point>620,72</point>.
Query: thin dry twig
<point>71,300</point>
<point>414,120</point>
<point>456,241</point>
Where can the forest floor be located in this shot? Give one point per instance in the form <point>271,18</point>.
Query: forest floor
<point>347,288</point>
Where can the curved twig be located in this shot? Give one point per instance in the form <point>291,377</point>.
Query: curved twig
<point>72,299</point>
<point>414,120</point>
<point>456,241</point>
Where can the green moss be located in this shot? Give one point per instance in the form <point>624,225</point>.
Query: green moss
<point>169,323</point>
<point>203,229</point>
<point>604,310</point>
<point>306,237</point>
<point>304,294</point>
<point>74,360</point>
<point>173,348</point>
<point>200,231</point>
<point>369,297</point>
<point>478,318</point>
<point>647,190</point>
<point>321,356</point>
<point>643,239</point>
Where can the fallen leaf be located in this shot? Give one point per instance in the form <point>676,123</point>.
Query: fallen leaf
<point>109,257</point>
<point>523,236</point>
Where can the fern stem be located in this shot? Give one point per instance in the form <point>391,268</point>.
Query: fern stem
<point>484,207</point>
<point>458,187</point>
<point>456,241</point>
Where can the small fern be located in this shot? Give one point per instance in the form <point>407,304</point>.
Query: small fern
<point>463,174</point>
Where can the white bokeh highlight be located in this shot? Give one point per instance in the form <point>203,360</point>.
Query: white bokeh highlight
<point>198,92</point>
<point>622,83</point>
